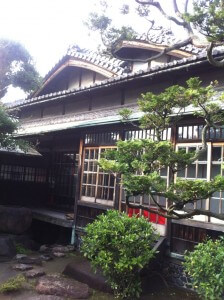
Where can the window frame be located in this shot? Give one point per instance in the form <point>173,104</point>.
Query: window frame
<point>94,199</point>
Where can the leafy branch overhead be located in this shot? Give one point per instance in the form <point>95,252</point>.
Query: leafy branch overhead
<point>142,162</point>
<point>16,68</point>
<point>8,125</point>
<point>202,26</point>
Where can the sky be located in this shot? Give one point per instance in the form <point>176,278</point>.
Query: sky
<point>47,27</point>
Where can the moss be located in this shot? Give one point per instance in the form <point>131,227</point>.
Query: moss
<point>13,284</point>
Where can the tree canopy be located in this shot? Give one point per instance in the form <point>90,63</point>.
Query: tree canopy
<point>140,163</point>
<point>202,23</point>
<point>8,125</point>
<point>16,68</point>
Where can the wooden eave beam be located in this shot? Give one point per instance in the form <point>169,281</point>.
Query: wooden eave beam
<point>158,48</point>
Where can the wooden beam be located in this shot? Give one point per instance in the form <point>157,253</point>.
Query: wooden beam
<point>154,47</point>
<point>78,183</point>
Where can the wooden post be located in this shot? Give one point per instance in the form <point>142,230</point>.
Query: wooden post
<point>78,188</point>
<point>169,221</point>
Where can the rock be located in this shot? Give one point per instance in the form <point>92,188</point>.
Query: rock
<point>58,254</point>
<point>30,261</point>
<point>44,248</point>
<point>46,257</point>
<point>66,287</point>
<point>20,256</point>
<point>81,271</point>
<point>45,297</point>
<point>22,267</point>
<point>7,248</point>
<point>61,249</point>
<point>34,273</point>
<point>70,248</point>
<point>25,241</point>
<point>15,220</point>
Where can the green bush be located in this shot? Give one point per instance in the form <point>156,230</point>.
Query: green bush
<point>120,246</point>
<point>20,249</point>
<point>206,267</point>
<point>13,284</point>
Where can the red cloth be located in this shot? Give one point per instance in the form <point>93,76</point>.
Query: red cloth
<point>153,218</point>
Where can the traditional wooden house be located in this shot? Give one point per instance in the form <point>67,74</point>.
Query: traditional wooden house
<point>74,117</point>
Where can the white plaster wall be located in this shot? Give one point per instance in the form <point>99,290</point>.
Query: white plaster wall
<point>137,66</point>
<point>73,80</point>
<point>99,77</point>
<point>87,77</point>
<point>159,61</point>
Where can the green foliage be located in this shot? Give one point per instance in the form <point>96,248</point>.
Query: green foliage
<point>208,16</point>
<point>16,68</point>
<point>125,113</point>
<point>110,34</point>
<point>141,162</point>
<point>20,249</point>
<point>159,108</point>
<point>205,266</point>
<point>98,22</point>
<point>8,125</point>
<point>13,284</point>
<point>120,246</point>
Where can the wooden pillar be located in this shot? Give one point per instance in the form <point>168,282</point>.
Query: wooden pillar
<point>169,221</point>
<point>78,183</point>
<point>118,188</point>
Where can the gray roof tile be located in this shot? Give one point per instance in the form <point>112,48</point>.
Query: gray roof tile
<point>166,37</point>
<point>121,75</point>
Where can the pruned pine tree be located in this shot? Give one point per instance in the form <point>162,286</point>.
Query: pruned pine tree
<point>138,163</point>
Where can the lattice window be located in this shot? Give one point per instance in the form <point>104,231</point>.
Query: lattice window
<point>21,173</point>
<point>206,168</point>
<point>104,138</point>
<point>197,170</point>
<point>194,133</point>
<point>146,134</point>
<point>97,185</point>
<point>64,170</point>
<point>217,200</point>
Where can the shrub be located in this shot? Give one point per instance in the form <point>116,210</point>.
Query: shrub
<point>206,267</point>
<point>120,246</point>
<point>13,284</point>
<point>20,249</point>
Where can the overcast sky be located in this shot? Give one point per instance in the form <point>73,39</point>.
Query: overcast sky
<point>47,27</point>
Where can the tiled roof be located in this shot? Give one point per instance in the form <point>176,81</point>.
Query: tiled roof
<point>114,65</point>
<point>75,120</point>
<point>121,78</point>
<point>165,37</point>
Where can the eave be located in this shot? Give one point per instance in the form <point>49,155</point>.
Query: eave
<point>150,47</point>
<point>182,64</point>
<point>76,63</point>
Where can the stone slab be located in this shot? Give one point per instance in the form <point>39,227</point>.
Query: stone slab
<point>81,271</point>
